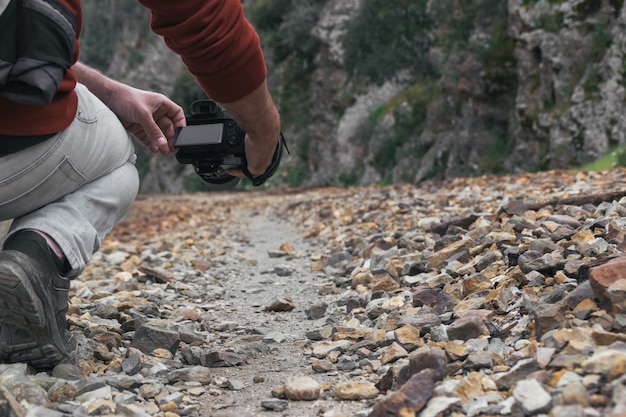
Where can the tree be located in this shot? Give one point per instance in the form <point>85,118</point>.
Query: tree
<point>385,39</point>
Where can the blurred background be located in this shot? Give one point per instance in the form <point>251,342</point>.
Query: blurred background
<point>379,92</point>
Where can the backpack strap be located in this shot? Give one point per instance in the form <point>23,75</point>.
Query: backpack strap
<point>38,39</point>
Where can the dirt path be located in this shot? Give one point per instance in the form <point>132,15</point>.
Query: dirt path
<point>257,275</point>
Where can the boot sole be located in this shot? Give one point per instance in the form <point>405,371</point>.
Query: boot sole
<point>23,307</point>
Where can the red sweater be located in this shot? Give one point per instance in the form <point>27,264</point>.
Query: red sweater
<point>213,38</point>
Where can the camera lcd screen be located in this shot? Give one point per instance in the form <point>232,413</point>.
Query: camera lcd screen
<point>209,134</point>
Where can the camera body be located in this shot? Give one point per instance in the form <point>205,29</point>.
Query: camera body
<point>211,141</point>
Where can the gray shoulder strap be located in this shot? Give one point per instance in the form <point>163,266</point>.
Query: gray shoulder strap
<point>3,5</point>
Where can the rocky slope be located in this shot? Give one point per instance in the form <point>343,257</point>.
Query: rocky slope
<point>538,86</point>
<point>457,298</point>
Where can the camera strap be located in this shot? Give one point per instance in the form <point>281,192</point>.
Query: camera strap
<point>259,180</point>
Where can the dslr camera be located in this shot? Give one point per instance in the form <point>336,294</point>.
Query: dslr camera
<point>213,141</point>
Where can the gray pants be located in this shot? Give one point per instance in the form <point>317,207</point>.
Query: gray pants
<point>74,186</point>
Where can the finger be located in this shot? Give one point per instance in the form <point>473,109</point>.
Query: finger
<point>151,128</point>
<point>235,172</point>
<point>167,127</point>
<point>162,146</point>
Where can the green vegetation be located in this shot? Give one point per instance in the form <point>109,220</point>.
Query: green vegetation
<point>615,158</point>
<point>285,26</point>
<point>285,30</point>
<point>493,157</point>
<point>552,22</point>
<point>103,23</point>
<point>409,111</point>
<point>383,40</point>
<point>187,90</point>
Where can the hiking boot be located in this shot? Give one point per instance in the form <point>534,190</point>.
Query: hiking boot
<point>33,307</point>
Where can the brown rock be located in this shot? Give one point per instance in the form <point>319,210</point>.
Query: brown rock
<point>408,337</point>
<point>281,304</point>
<point>608,281</point>
<point>392,353</point>
<point>435,360</point>
<point>440,301</point>
<point>411,397</point>
<point>384,283</point>
<point>467,328</point>
<point>548,317</point>
<point>355,390</point>
<point>439,258</point>
<point>476,283</point>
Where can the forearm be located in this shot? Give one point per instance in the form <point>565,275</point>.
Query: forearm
<point>258,115</point>
<point>100,85</point>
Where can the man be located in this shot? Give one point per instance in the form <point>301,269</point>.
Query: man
<point>68,171</point>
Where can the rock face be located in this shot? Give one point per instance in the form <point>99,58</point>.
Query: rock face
<point>571,89</point>
<point>549,95</point>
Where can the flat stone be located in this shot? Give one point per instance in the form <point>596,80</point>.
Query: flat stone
<point>532,396</point>
<point>302,389</point>
<point>355,390</point>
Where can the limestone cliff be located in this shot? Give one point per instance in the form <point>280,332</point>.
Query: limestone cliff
<point>554,99</point>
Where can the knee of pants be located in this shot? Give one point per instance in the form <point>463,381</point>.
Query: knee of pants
<point>126,178</point>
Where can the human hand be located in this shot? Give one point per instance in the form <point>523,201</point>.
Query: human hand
<point>258,157</point>
<point>151,117</point>
<point>258,116</point>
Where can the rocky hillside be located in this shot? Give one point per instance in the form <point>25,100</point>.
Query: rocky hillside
<point>513,86</point>
<point>536,85</point>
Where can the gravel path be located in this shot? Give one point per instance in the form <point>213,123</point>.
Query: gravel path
<point>468,297</point>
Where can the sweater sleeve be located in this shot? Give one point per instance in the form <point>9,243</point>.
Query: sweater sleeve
<point>215,41</point>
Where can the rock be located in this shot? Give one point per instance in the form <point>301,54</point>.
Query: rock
<point>355,390</point>
<point>466,328</point>
<point>478,360</point>
<point>532,397</point>
<point>323,349</point>
<point>148,338</point>
<point>408,337</point>
<point>316,311</point>
<point>439,301</point>
<point>536,261</point>
<point>280,304</point>
<point>610,363</point>
<point>520,371</point>
<point>608,282</point>
<point>275,404</point>
<point>471,332</point>
<point>392,353</point>
<point>548,317</point>
<point>302,389</point>
<point>411,397</point>
<point>222,358</point>
<point>322,366</point>
<point>132,363</point>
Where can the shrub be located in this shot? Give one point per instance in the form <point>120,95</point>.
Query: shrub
<point>383,40</point>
